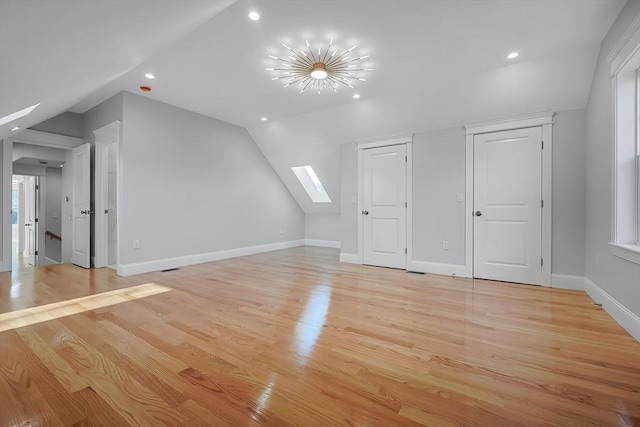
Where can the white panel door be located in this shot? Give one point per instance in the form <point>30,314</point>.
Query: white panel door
<point>81,206</point>
<point>384,212</point>
<point>30,224</point>
<point>507,206</point>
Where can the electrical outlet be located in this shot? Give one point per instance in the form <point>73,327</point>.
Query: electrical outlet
<point>445,245</point>
<point>136,244</point>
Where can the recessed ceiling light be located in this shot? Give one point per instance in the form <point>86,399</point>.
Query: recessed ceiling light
<point>254,16</point>
<point>513,55</point>
<point>15,128</point>
<point>150,76</point>
<point>356,96</point>
<point>264,119</point>
<point>17,114</point>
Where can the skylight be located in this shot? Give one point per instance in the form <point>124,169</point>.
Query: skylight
<point>312,185</point>
<point>17,114</point>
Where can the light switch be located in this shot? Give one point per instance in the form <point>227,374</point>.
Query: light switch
<point>354,199</point>
<point>55,215</point>
<point>460,197</point>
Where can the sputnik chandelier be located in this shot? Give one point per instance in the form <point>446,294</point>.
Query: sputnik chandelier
<point>324,70</point>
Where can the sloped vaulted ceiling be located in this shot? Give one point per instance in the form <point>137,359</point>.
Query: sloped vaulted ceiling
<point>436,64</point>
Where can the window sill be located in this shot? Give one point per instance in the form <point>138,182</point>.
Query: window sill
<point>628,252</point>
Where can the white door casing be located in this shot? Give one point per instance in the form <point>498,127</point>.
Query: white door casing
<point>508,206</point>
<point>81,206</point>
<point>384,209</point>
<point>30,225</point>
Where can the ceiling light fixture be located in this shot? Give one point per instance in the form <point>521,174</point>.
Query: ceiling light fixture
<point>264,119</point>
<point>150,76</point>
<point>316,70</point>
<point>254,16</point>
<point>15,128</point>
<point>513,55</point>
<point>356,96</point>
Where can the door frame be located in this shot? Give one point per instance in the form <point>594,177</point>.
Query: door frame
<point>104,137</point>
<point>543,119</point>
<point>386,142</point>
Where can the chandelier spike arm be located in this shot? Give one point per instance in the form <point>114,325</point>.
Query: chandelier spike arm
<point>303,58</point>
<point>307,85</point>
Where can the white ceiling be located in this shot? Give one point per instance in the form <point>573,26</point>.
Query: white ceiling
<point>436,64</point>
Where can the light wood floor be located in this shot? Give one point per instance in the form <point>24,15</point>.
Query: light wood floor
<point>294,337</point>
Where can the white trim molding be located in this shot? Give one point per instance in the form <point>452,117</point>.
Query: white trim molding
<point>629,252</point>
<point>567,281</point>
<point>438,268</point>
<point>350,258</point>
<point>45,139</point>
<point>384,142</point>
<point>322,243</point>
<point>621,314</point>
<point>509,123</point>
<point>545,121</point>
<point>167,263</point>
<point>625,47</point>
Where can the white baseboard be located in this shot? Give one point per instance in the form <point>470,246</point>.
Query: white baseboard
<point>49,261</point>
<point>438,268</point>
<point>350,258</point>
<point>566,281</point>
<point>322,243</point>
<point>167,263</point>
<point>628,320</point>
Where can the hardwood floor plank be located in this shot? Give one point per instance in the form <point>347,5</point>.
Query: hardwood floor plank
<point>294,337</point>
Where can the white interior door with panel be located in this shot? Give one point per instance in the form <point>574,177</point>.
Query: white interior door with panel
<point>384,206</point>
<point>507,236</point>
<point>81,206</point>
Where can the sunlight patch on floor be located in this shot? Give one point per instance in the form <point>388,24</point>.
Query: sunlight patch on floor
<point>43,313</point>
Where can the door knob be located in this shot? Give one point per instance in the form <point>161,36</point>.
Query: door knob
<point>478,213</point>
<point>365,212</point>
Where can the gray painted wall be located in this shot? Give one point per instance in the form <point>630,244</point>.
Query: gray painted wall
<point>53,203</point>
<point>68,123</point>
<point>193,184</point>
<point>569,192</point>
<point>439,175</point>
<point>349,193</point>
<point>322,227</point>
<point>618,277</point>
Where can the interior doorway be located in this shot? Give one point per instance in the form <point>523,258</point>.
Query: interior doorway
<point>24,241</point>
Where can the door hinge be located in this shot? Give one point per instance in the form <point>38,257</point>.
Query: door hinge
<point>541,262</point>
<point>542,203</point>
<point>405,204</point>
<point>36,220</point>
<point>405,159</point>
<point>36,253</point>
<point>542,145</point>
<point>37,187</point>
<point>405,250</point>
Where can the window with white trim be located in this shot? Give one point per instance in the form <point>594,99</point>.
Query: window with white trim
<point>625,73</point>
